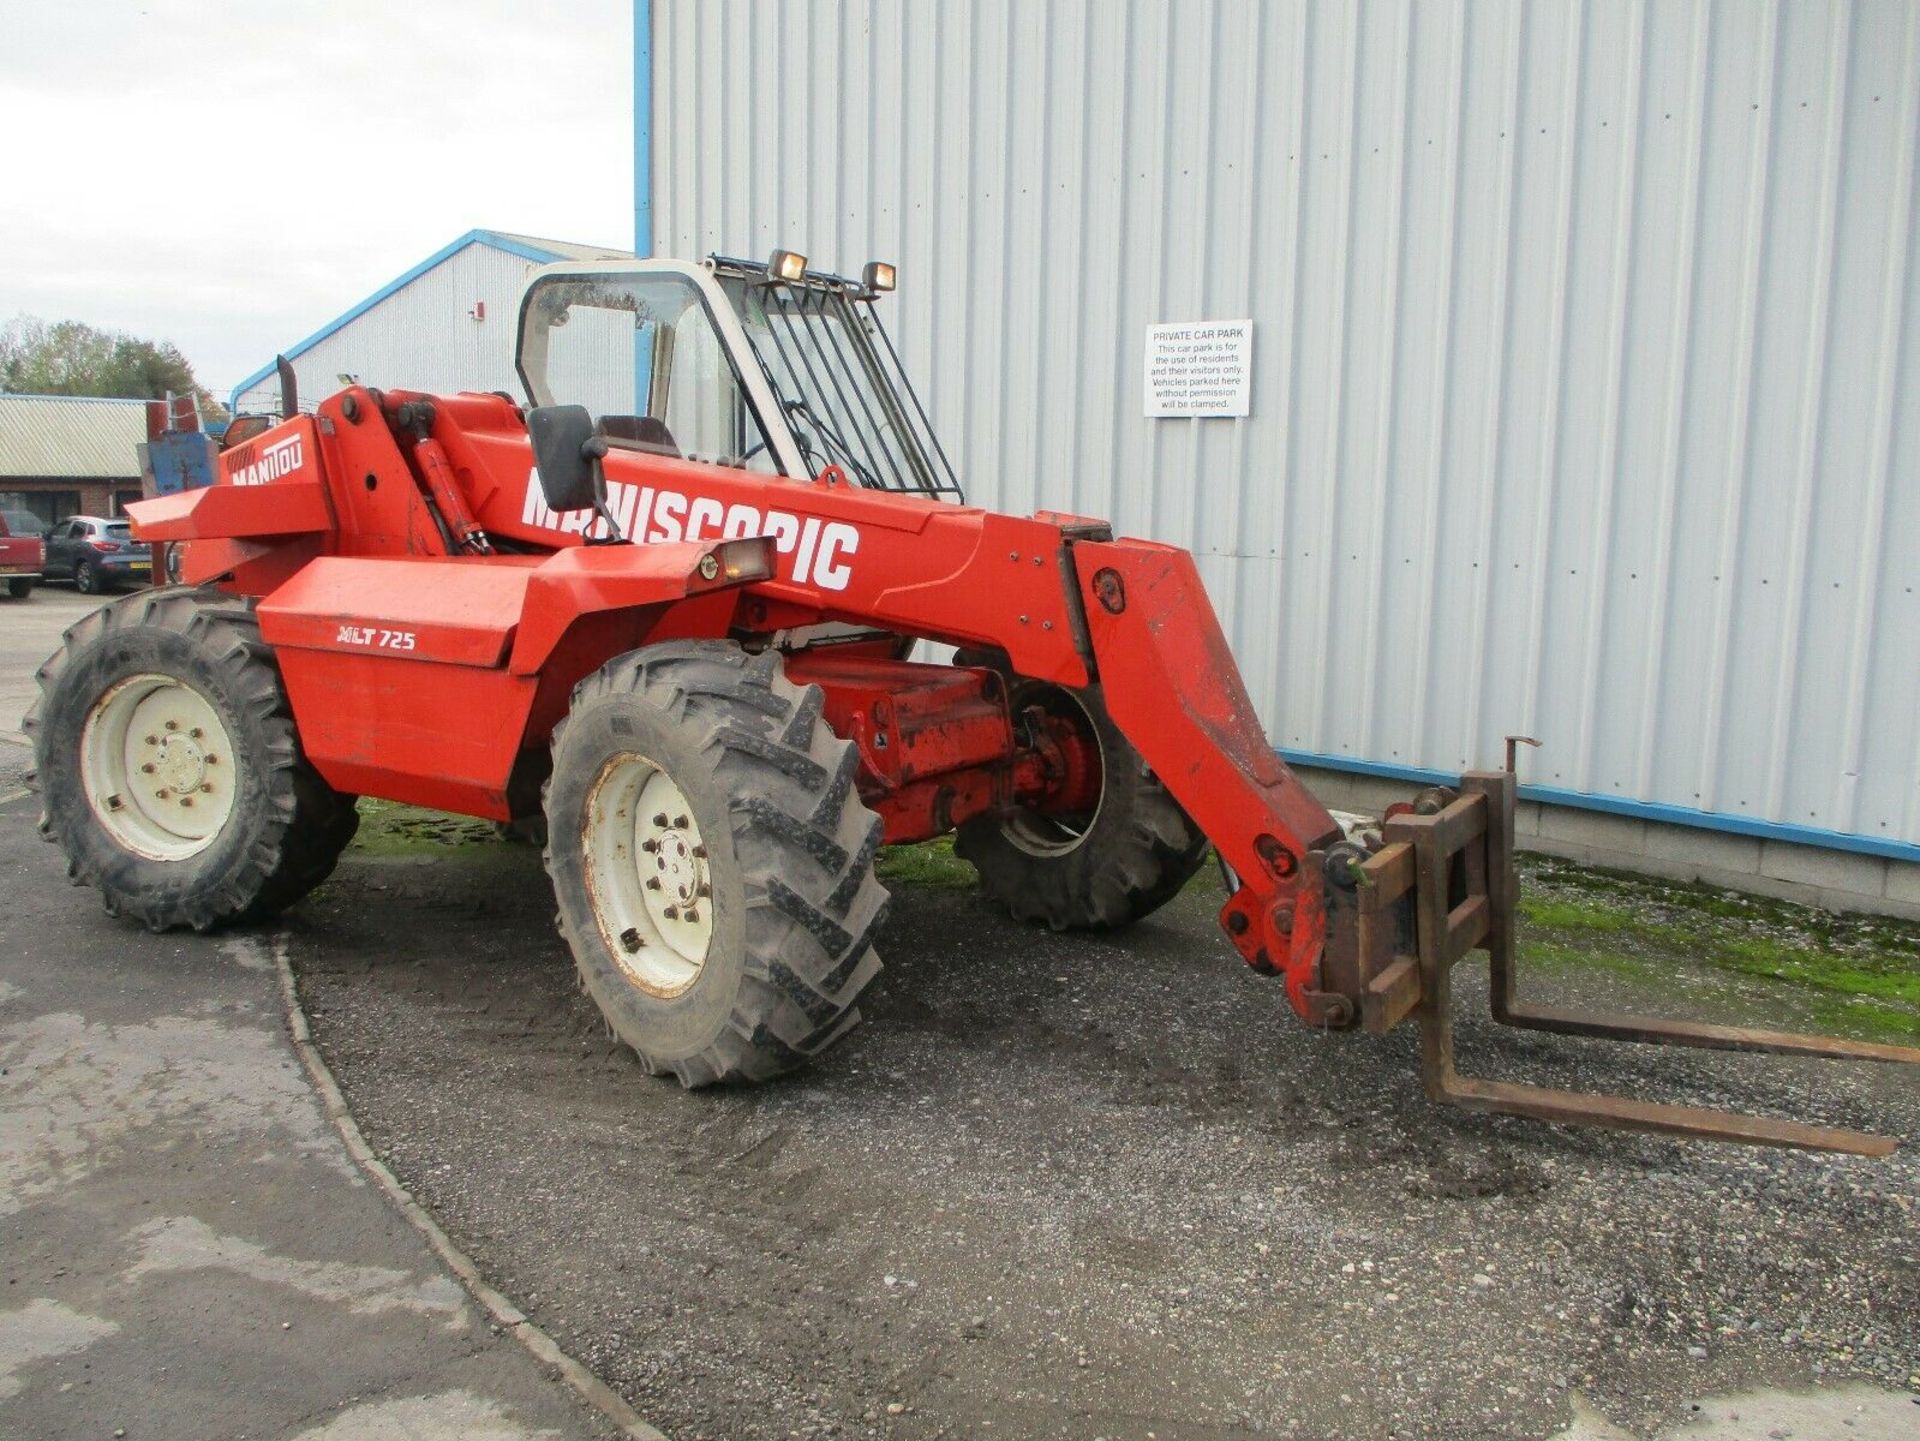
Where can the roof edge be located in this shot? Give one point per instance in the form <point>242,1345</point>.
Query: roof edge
<point>85,399</point>
<point>491,238</point>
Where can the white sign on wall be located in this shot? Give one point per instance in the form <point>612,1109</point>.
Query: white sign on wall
<point>1202,369</point>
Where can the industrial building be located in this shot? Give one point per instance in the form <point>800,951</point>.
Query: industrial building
<point>1582,397</point>
<point>445,325</point>
<point>64,455</point>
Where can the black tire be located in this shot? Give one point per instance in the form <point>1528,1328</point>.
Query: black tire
<point>788,846</point>
<point>86,577</point>
<point>287,826</point>
<point>20,586</point>
<point>1098,872</point>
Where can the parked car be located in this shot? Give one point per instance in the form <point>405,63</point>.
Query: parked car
<point>22,553</point>
<point>97,553</point>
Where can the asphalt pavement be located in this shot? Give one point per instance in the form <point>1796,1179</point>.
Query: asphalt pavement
<point>188,1249</point>
<point>29,630</point>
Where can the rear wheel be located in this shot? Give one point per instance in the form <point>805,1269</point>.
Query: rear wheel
<point>1097,869</point>
<point>712,861</point>
<point>169,769</point>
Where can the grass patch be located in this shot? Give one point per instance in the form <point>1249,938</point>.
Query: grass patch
<point>388,828</point>
<point>1552,955</point>
<point>931,863</point>
<point>1881,977</point>
<point>1572,915</point>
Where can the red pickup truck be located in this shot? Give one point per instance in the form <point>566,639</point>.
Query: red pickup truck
<point>21,559</point>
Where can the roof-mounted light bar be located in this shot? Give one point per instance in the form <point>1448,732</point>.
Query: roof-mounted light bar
<point>787,265</point>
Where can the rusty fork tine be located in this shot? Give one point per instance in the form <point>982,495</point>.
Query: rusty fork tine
<point>1578,1108</point>
<point>1707,1037</point>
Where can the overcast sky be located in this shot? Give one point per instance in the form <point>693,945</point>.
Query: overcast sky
<point>232,176</point>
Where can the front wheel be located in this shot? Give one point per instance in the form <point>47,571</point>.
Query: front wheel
<point>712,861</point>
<point>169,769</point>
<point>1087,870</point>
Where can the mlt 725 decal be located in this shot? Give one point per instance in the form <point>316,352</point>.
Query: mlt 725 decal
<point>374,637</point>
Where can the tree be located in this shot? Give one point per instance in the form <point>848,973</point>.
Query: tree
<point>71,357</point>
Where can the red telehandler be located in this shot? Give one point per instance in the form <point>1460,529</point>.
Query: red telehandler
<point>678,623</point>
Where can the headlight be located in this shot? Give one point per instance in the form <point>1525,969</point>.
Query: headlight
<point>739,561</point>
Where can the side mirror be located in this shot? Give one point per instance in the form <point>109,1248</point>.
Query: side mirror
<point>568,455</point>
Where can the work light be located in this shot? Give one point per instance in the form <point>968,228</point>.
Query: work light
<point>787,265</point>
<point>878,275</point>
<point>740,560</point>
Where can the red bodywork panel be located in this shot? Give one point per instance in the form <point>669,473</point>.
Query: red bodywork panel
<point>937,744</point>
<point>423,672</point>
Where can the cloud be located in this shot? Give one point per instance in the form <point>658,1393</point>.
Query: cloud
<point>231,180</point>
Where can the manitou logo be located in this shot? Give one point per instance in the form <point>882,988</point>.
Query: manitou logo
<point>816,552</point>
<point>283,457</point>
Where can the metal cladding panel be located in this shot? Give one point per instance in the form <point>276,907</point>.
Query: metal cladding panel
<point>422,336</point>
<point>1585,397</point>
<point>71,436</point>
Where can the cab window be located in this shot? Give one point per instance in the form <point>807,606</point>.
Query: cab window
<point>641,353</point>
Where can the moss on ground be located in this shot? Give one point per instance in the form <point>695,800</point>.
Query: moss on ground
<point>1854,974</point>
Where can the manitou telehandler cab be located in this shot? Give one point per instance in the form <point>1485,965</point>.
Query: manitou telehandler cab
<point>672,608</point>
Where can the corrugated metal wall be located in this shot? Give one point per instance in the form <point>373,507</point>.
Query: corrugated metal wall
<point>421,337</point>
<point>1585,396</point>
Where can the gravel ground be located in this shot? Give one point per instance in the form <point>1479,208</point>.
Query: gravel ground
<point>1072,1186</point>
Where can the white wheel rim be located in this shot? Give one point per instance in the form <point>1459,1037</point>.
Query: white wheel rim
<point>158,767</point>
<point>1048,836</point>
<point>648,875</point>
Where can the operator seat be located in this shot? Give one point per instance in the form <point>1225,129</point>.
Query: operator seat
<point>648,432</point>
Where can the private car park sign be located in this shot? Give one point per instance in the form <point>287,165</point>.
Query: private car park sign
<point>1202,369</point>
